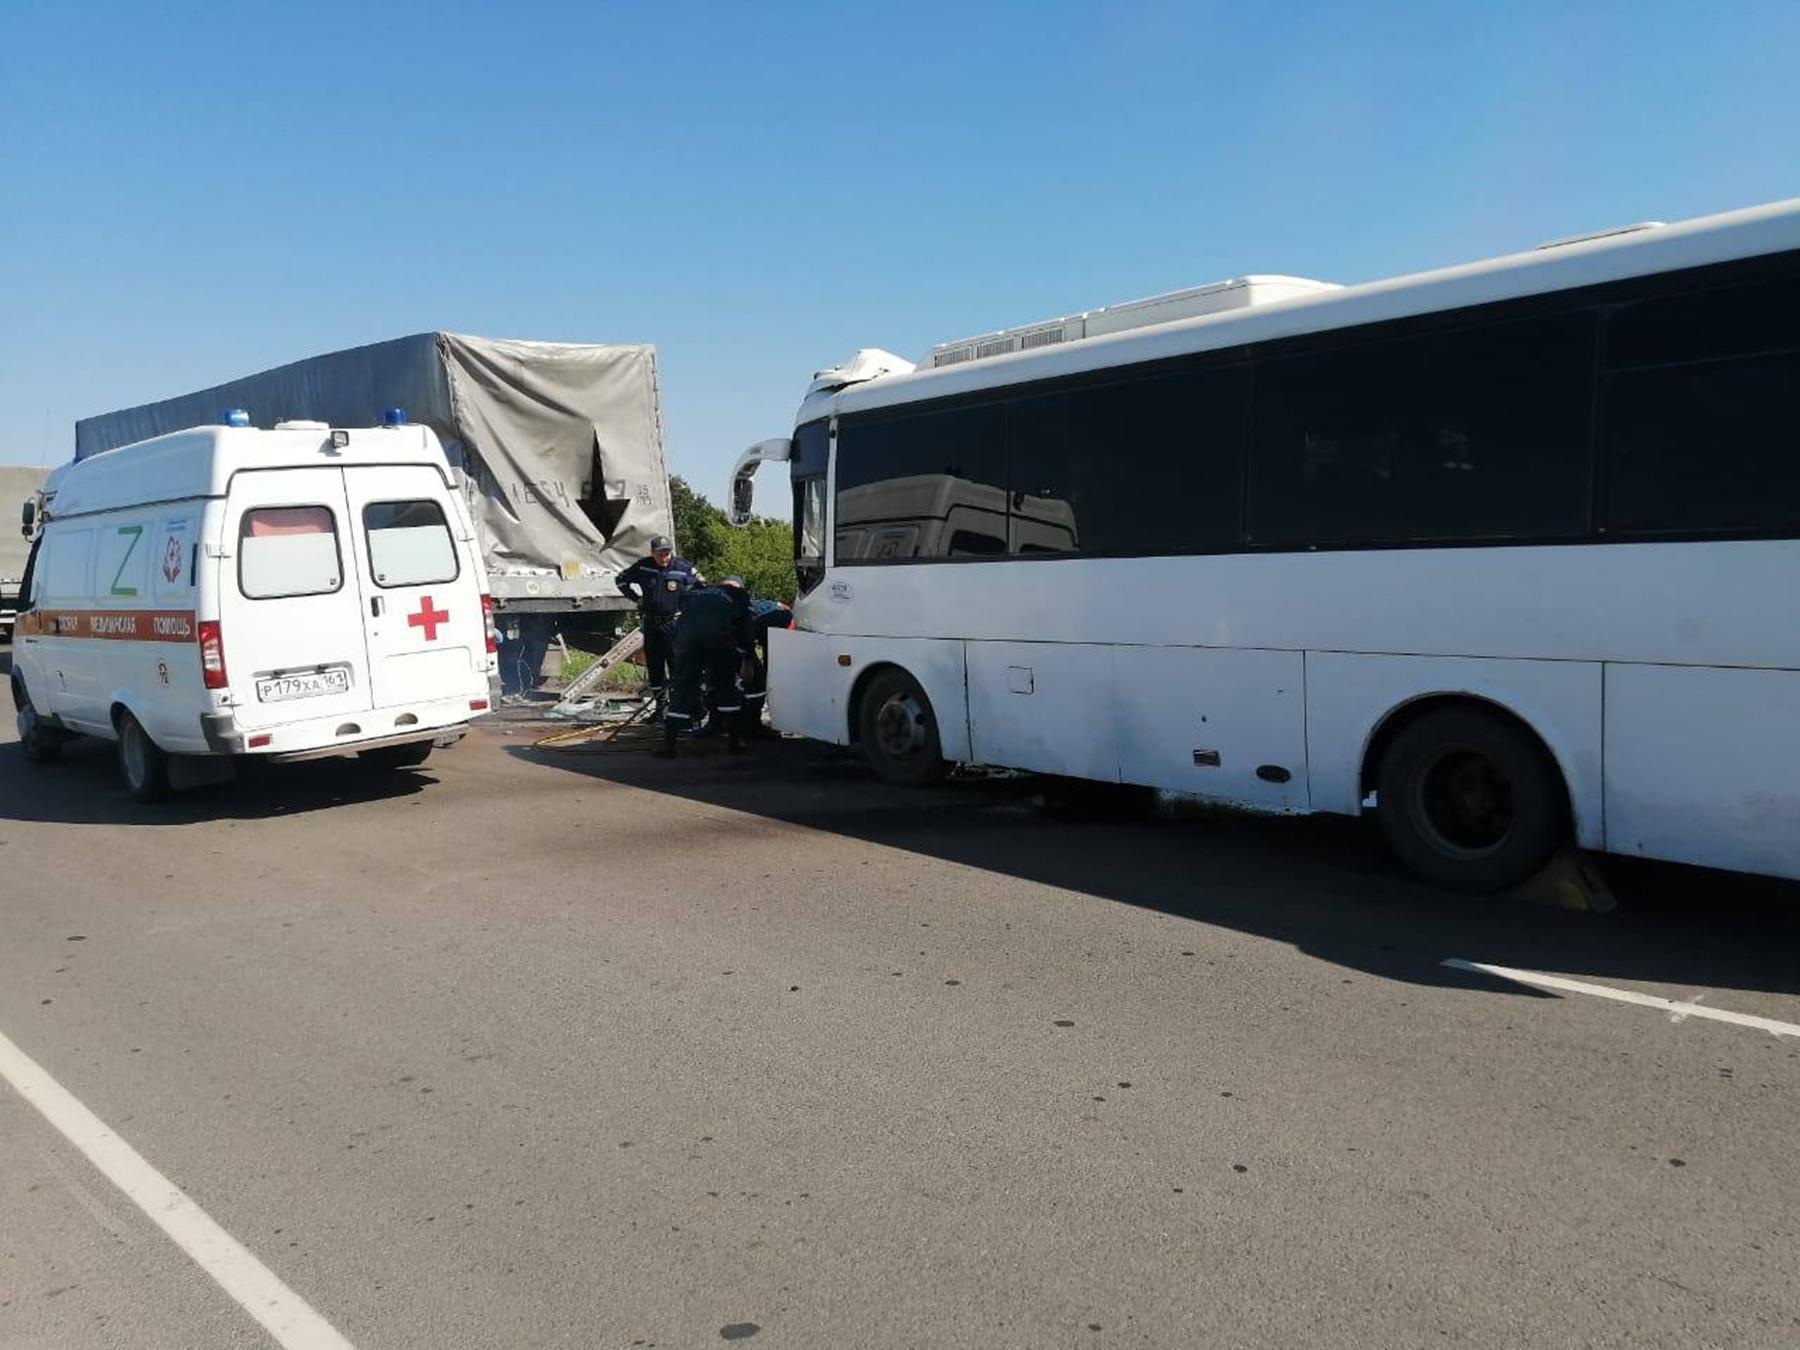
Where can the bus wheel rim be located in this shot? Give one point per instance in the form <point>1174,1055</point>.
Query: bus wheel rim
<point>1463,802</point>
<point>900,726</point>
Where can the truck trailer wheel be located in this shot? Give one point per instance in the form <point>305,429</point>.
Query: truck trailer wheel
<point>898,731</point>
<point>41,744</point>
<point>142,764</point>
<point>1469,801</point>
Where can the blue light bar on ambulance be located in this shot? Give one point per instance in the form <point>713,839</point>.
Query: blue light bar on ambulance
<point>394,417</point>
<point>236,417</point>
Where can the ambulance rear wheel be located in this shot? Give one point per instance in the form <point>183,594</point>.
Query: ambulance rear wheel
<point>40,743</point>
<point>142,765</point>
<point>899,732</point>
<point>397,756</point>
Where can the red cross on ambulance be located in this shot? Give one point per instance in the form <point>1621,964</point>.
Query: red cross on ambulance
<point>428,618</point>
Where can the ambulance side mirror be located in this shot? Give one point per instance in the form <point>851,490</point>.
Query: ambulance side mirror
<point>27,518</point>
<point>743,495</point>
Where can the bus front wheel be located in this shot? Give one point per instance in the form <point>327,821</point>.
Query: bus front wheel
<point>898,730</point>
<point>1470,801</point>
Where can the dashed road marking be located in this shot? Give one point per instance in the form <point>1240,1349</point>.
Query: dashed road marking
<point>1677,1011</point>
<point>283,1313</point>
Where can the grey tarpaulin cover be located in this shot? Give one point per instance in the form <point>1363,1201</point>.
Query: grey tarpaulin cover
<point>559,444</point>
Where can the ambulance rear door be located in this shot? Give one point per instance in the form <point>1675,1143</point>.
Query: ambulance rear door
<point>290,610</point>
<point>427,634</point>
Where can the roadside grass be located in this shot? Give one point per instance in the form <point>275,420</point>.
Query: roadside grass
<point>625,675</point>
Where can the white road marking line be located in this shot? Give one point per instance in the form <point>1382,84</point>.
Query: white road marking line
<point>282,1312</point>
<point>1678,1011</point>
<point>1683,1009</point>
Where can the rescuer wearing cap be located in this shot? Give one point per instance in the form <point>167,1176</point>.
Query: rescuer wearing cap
<point>658,583</point>
<point>712,642</point>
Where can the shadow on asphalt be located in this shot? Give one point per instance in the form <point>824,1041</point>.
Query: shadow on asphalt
<point>83,788</point>
<point>1325,884</point>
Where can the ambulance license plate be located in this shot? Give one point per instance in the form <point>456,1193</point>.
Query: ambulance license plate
<point>312,685</point>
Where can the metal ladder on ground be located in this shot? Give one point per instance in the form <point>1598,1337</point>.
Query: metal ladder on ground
<point>576,692</point>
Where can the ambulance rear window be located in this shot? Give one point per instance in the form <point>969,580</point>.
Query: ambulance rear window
<point>409,543</point>
<point>285,551</point>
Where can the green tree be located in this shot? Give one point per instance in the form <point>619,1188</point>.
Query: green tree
<point>762,552</point>
<point>700,528</point>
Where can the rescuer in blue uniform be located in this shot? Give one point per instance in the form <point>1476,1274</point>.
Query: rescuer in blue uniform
<point>712,643</point>
<point>764,615</point>
<point>658,583</point>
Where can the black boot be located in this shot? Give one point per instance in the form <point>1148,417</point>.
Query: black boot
<point>734,726</point>
<point>667,749</point>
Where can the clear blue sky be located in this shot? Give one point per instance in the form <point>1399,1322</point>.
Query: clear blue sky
<point>191,193</point>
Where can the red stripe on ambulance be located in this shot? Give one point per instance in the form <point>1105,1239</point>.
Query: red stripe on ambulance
<point>115,625</point>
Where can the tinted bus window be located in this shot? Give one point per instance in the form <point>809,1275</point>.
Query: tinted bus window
<point>1708,447</point>
<point>1477,434</point>
<point>1704,325</point>
<point>1143,467</point>
<point>926,486</point>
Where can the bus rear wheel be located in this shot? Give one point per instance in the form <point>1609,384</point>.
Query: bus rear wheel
<point>1469,801</point>
<point>899,732</point>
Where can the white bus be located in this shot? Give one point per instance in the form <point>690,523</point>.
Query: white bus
<point>1507,552</point>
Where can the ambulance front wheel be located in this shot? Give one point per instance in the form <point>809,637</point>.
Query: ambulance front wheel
<point>40,743</point>
<point>396,756</point>
<point>142,765</point>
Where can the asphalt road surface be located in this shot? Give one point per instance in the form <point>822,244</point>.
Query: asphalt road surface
<point>590,1050</point>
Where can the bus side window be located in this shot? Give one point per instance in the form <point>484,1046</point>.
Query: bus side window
<point>1146,466</point>
<point>1698,397</point>
<point>1477,433</point>
<point>916,468</point>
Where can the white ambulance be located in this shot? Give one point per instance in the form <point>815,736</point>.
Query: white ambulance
<point>229,591</point>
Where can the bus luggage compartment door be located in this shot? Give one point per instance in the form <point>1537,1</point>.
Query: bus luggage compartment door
<point>1700,766</point>
<point>1044,706</point>
<point>1226,723</point>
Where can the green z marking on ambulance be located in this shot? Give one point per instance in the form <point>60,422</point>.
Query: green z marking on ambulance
<point>137,534</point>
